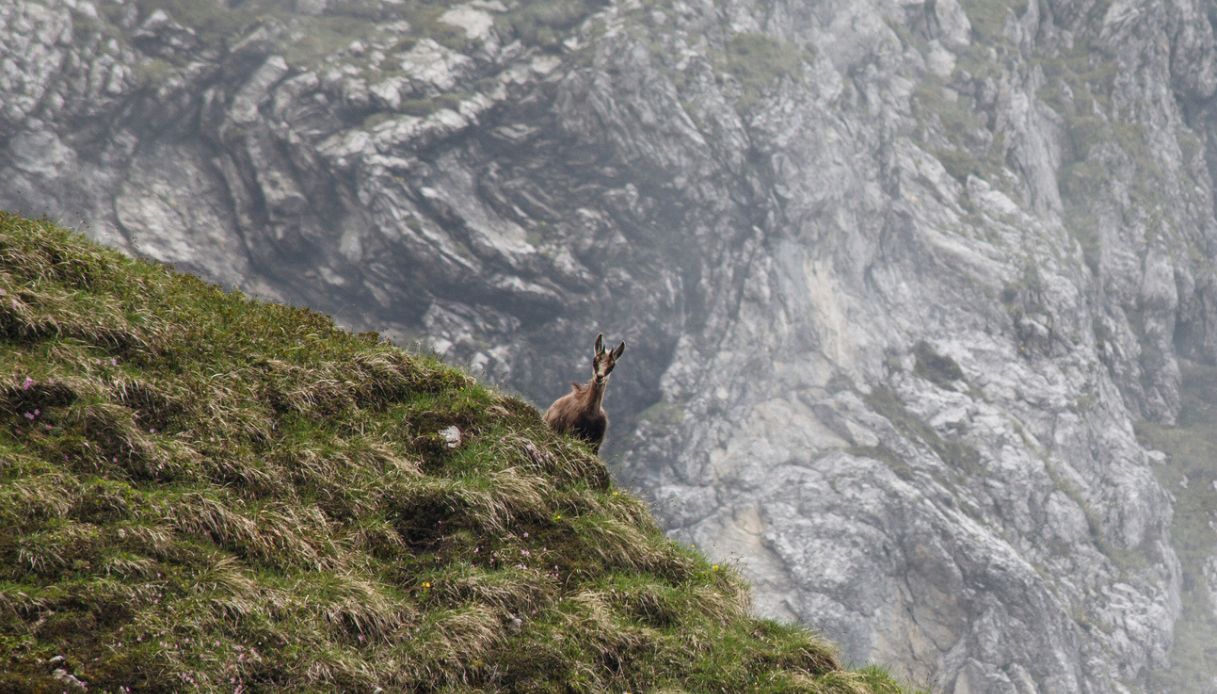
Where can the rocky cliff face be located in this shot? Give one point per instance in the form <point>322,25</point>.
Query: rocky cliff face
<point>902,282</point>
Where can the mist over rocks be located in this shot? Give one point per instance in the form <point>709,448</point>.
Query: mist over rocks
<point>900,280</point>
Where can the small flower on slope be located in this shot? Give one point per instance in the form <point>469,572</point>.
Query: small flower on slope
<point>27,383</point>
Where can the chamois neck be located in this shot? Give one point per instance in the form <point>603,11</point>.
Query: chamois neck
<point>594,393</point>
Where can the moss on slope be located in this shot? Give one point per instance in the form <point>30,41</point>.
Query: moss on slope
<point>201,491</point>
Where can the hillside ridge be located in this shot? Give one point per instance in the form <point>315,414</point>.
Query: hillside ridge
<point>202,492</point>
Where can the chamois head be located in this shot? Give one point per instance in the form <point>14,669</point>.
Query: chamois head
<point>603,362</point>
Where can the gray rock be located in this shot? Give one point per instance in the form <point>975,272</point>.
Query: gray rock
<point>68,679</point>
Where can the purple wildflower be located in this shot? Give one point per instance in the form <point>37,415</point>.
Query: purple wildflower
<point>27,383</point>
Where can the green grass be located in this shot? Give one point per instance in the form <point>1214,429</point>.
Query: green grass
<point>759,61</point>
<point>959,135</point>
<point>200,492</point>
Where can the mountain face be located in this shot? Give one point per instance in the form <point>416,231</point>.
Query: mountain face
<point>919,297</point>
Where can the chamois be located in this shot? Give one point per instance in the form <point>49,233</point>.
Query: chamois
<point>581,412</point>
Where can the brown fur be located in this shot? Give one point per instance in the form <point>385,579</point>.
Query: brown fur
<point>581,412</point>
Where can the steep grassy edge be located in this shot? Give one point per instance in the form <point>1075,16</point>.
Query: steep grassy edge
<point>200,491</point>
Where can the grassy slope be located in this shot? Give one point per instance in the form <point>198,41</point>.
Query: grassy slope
<point>199,490</point>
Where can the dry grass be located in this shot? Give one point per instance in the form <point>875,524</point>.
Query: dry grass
<point>198,491</point>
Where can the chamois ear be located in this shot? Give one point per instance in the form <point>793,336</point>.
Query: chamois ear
<point>600,344</point>
<point>619,351</point>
